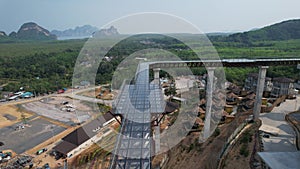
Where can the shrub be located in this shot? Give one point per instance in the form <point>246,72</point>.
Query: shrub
<point>217,132</point>
<point>244,150</point>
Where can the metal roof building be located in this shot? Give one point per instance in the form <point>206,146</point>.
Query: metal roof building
<point>281,160</point>
<point>82,134</point>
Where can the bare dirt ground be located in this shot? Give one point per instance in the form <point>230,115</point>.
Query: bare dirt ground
<point>10,115</point>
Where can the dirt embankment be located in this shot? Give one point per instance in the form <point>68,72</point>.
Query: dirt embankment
<point>192,154</point>
<point>242,154</point>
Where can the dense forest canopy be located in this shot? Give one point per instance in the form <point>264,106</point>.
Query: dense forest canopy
<point>48,65</point>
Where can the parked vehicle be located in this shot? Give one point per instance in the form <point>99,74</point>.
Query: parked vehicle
<point>3,100</point>
<point>65,102</point>
<point>41,151</point>
<point>23,161</point>
<point>60,91</point>
<point>20,127</point>
<point>5,155</point>
<point>46,166</point>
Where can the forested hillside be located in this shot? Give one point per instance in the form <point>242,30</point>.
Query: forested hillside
<point>286,30</point>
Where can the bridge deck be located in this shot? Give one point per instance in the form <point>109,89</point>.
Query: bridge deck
<point>226,63</point>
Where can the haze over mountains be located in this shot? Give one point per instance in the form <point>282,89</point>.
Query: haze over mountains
<point>112,31</point>
<point>78,32</point>
<point>34,32</point>
<point>31,31</point>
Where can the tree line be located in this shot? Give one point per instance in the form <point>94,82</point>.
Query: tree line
<point>42,72</point>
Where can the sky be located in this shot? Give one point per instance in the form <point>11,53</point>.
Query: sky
<point>207,15</point>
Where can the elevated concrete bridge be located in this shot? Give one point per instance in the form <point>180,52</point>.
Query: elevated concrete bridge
<point>226,63</point>
<point>136,102</point>
<point>210,65</point>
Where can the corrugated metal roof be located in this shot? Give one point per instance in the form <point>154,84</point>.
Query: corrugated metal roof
<point>82,134</point>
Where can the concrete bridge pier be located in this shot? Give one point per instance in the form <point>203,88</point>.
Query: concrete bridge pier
<point>259,90</point>
<point>156,138</point>
<point>156,75</point>
<point>209,93</point>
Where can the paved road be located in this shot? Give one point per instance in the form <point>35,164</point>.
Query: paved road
<point>285,141</point>
<point>74,95</point>
<point>90,99</point>
<point>70,93</point>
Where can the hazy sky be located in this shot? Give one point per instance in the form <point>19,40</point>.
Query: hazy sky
<point>208,15</point>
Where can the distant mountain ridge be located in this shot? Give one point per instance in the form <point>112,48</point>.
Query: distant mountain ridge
<point>32,31</point>
<point>29,31</point>
<point>112,31</point>
<point>2,33</point>
<point>285,30</point>
<point>79,31</point>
